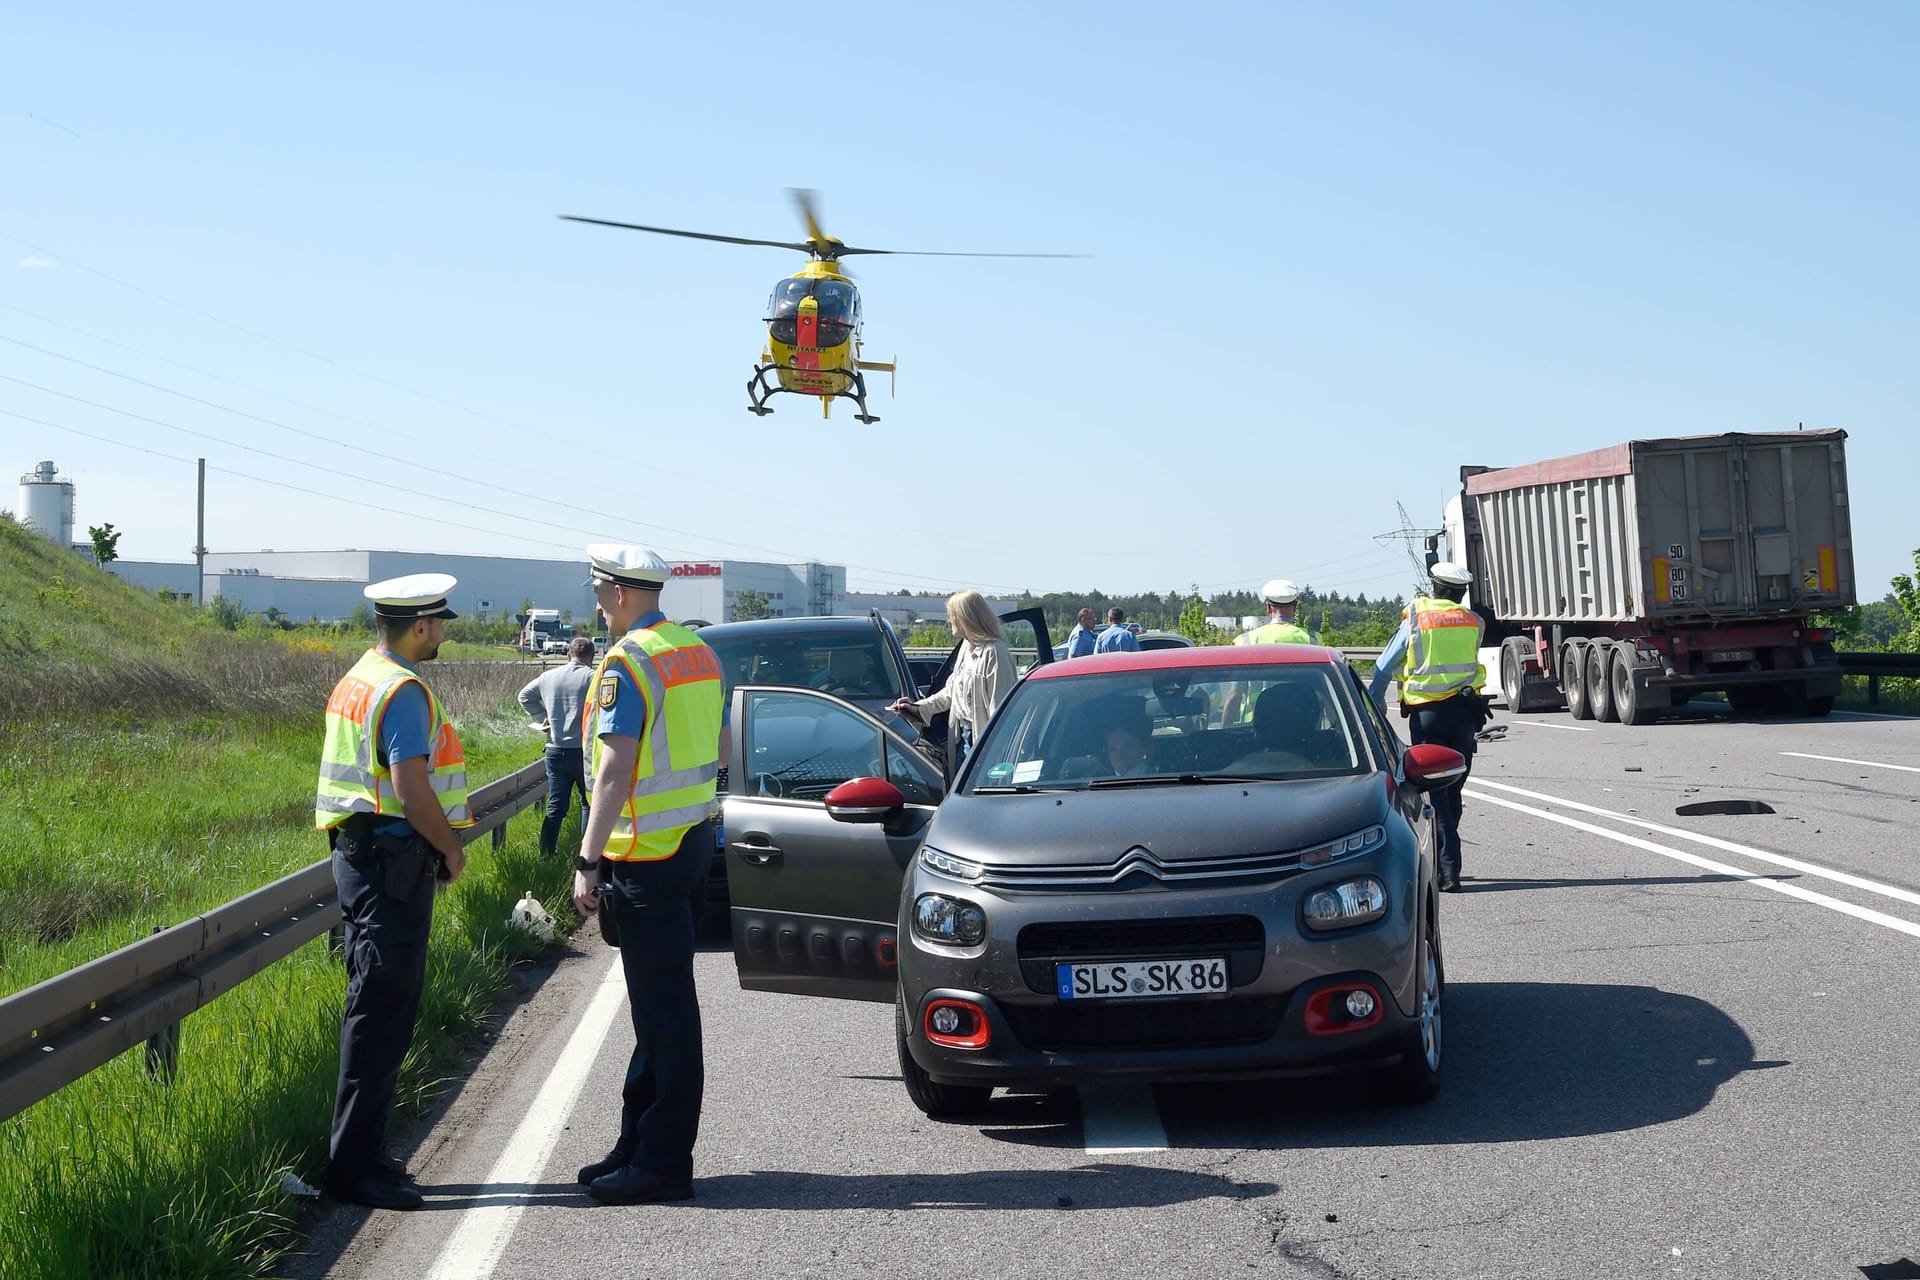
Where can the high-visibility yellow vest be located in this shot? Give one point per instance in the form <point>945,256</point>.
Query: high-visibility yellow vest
<point>1277,632</point>
<point>678,760</point>
<point>1443,651</point>
<point>352,778</point>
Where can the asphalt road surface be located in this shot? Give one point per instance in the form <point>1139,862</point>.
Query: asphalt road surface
<point>1675,1046</point>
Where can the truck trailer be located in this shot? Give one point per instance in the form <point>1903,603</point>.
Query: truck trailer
<point>1621,582</point>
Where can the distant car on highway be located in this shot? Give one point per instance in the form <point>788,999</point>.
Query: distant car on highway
<point>1113,887</point>
<point>555,646</point>
<point>1148,640</point>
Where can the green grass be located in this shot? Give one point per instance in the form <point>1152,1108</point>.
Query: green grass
<point>157,767</point>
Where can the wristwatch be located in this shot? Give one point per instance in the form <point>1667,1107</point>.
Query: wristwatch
<point>581,864</point>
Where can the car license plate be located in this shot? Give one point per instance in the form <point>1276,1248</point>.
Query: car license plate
<point>1132,979</point>
<point>1730,655</point>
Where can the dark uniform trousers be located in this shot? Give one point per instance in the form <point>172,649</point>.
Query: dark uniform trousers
<point>1450,722</point>
<point>655,905</point>
<point>386,973</point>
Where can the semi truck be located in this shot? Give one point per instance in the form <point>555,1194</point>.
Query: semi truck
<point>1621,582</point>
<point>537,626</point>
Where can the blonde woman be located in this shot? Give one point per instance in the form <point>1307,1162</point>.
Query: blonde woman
<point>982,674</point>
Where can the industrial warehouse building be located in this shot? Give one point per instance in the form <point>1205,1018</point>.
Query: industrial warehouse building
<point>327,584</point>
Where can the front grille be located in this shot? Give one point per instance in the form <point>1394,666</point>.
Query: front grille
<point>1131,939</point>
<point>1140,861</point>
<point>1145,1024</point>
<point>1239,940</point>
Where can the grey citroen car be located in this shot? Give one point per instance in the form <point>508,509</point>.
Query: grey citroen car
<point>1206,863</point>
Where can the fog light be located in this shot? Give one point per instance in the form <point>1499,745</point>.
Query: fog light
<point>957,1024</point>
<point>1337,1010</point>
<point>1360,1004</point>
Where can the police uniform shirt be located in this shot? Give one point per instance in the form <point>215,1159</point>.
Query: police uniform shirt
<point>403,734</point>
<point>620,706</point>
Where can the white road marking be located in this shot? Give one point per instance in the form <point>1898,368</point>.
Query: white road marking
<point>481,1235</point>
<point>1707,864</point>
<point>1699,837</point>
<point>1869,764</point>
<point>1549,724</point>
<point>1118,1120</point>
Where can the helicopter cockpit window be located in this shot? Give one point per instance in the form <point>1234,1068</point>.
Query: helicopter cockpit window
<point>836,304</point>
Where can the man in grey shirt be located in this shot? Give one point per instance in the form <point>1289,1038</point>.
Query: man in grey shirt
<point>556,701</point>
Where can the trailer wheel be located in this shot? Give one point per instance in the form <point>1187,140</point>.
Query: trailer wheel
<point>1820,706</point>
<point>1627,697</point>
<point>1600,683</point>
<point>1511,681</point>
<point>1573,681</point>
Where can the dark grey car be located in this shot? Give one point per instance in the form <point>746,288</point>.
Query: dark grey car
<point>1120,884</point>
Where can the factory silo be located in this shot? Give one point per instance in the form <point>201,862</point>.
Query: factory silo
<point>46,504</point>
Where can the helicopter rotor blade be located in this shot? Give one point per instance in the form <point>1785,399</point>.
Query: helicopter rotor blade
<point>803,200</point>
<point>691,235</point>
<point>946,253</point>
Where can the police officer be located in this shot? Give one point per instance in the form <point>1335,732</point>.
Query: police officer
<point>393,786</point>
<point>1283,603</point>
<point>655,732</point>
<point>1436,652</point>
<point>1282,598</point>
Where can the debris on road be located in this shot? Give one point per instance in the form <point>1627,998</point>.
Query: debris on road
<point>1700,807</point>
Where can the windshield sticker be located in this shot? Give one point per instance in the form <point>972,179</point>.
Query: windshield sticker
<point>1027,770</point>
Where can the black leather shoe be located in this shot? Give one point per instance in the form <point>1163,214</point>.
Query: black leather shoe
<point>636,1186</point>
<point>376,1191</point>
<point>393,1166</point>
<point>612,1162</point>
<point>1449,884</point>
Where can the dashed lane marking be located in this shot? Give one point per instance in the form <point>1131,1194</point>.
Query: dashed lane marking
<point>1865,764</point>
<point>1118,1120</point>
<point>481,1235</point>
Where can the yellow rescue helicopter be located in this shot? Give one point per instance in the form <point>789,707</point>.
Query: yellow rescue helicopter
<point>813,317</point>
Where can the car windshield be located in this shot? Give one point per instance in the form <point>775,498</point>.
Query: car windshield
<point>847,665</point>
<point>1171,726</point>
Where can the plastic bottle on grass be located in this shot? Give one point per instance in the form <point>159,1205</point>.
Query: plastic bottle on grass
<point>528,914</point>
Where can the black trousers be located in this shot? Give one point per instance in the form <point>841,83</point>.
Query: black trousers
<point>386,973</point>
<point>1450,722</point>
<point>655,905</point>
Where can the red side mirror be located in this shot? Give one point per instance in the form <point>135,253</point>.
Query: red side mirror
<point>1430,765</point>
<point>864,800</point>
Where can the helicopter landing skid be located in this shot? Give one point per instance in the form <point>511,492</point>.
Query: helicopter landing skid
<point>760,390</point>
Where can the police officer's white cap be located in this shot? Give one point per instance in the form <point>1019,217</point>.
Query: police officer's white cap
<point>1454,575</point>
<point>418,595</point>
<point>1280,591</point>
<point>629,566</point>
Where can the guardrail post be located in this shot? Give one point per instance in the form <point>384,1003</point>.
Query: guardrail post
<point>500,836</point>
<point>1873,688</point>
<point>163,1047</point>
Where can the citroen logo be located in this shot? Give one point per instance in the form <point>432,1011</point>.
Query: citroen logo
<point>1139,858</point>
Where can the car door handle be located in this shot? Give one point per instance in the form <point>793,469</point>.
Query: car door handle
<point>755,849</point>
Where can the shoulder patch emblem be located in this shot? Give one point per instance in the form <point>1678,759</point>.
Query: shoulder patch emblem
<point>609,692</point>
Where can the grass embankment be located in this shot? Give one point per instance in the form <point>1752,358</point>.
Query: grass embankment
<point>156,766</point>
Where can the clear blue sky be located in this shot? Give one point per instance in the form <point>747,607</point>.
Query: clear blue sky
<point>1338,250</point>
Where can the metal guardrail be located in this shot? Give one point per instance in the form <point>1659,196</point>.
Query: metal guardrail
<point>56,1031</point>
<point>1875,665</point>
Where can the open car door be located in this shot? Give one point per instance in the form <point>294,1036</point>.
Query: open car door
<point>816,900</point>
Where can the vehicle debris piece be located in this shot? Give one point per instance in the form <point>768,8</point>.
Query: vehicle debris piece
<point>1702,807</point>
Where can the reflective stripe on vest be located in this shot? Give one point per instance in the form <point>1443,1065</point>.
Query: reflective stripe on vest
<point>1443,651</point>
<point>676,763</point>
<point>352,779</point>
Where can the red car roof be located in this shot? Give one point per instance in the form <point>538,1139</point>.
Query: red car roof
<point>1223,655</point>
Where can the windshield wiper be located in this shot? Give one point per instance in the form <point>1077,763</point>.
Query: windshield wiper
<point>1164,779</point>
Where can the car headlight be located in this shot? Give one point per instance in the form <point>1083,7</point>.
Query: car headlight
<point>948,865</point>
<point>1345,847</point>
<point>1360,900</point>
<point>953,921</point>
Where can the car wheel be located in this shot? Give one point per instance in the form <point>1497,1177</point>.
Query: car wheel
<point>1416,1077</point>
<point>936,1101</point>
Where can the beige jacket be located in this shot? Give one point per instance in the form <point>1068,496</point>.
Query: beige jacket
<point>982,676</point>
